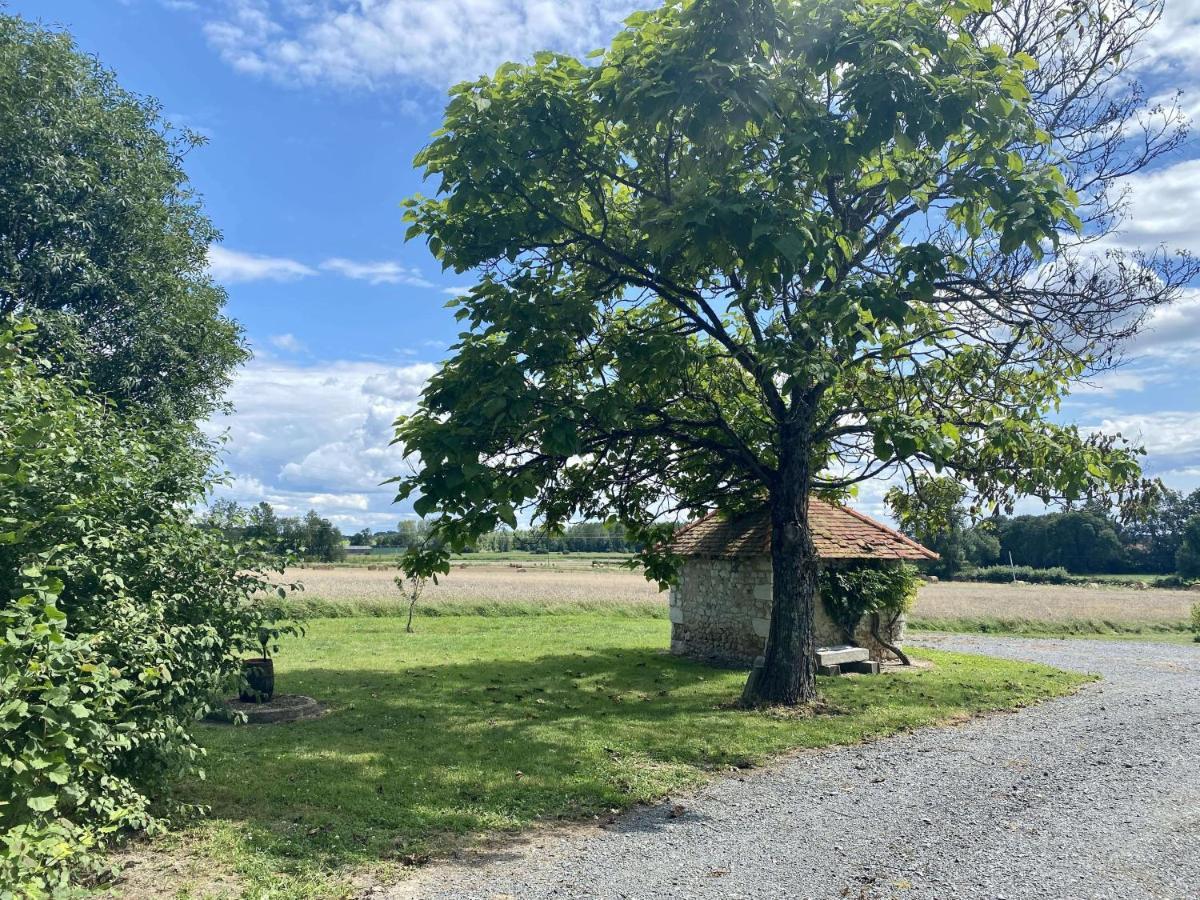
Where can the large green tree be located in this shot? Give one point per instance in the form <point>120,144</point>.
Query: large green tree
<point>102,239</point>
<point>761,249</point>
<point>1153,535</point>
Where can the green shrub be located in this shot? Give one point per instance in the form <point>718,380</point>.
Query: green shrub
<point>1170,581</point>
<point>1196,621</point>
<point>851,592</point>
<point>119,619</point>
<point>1003,574</point>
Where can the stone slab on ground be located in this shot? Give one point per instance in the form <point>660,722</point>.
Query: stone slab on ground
<point>841,655</point>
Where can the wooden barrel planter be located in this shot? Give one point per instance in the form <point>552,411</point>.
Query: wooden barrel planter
<point>260,680</point>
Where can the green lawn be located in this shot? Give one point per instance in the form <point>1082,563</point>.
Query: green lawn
<point>478,725</point>
<point>1095,629</point>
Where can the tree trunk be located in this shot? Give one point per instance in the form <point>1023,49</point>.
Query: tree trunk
<point>787,675</point>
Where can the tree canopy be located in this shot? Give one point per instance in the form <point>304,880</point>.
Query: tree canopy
<point>102,239</point>
<point>760,249</point>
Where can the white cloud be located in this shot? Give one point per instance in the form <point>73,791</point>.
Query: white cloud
<point>1186,479</point>
<point>1174,45</point>
<point>385,272</point>
<point>319,436</point>
<point>233,266</point>
<point>1162,207</point>
<point>288,342</point>
<point>1171,438</point>
<point>1117,382</point>
<point>1172,330</point>
<point>340,501</point>
<point>433,42</point>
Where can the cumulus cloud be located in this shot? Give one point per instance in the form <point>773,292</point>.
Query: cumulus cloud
<point>1174,46</point>
<point>1162,207</point>
<point>385,272</point>
<point>340,501</point>
<point>288,342</point>
<point>1118,382</point>
<point>1172,331</point>
<point>233,266</point>
<point>432,42</point>
<point>319,436</point>
<point>1171,438</point>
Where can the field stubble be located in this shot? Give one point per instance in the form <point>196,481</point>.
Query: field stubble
<point>478,587</point>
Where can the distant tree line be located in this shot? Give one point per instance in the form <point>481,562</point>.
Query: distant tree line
<point>309,537</point>
<point>583,537</point>
<point>1163,538</point>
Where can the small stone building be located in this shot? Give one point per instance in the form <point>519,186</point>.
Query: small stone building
<point>721,606</point>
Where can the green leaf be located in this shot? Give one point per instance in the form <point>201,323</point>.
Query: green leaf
<point>43,803</point>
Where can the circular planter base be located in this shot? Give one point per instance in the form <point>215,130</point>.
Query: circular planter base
<point>281,708</point>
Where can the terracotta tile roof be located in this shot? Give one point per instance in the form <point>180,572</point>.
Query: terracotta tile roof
<point>838,531</point>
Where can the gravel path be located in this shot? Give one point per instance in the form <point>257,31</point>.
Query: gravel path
<point>1088,797</point>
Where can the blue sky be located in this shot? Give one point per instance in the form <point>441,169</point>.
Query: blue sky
<point>314,110</point>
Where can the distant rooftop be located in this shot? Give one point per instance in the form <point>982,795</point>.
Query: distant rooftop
<point>838,533</point>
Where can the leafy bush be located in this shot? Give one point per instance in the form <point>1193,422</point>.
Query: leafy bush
<point>852,592</point>
<point>1196,621</point>
<point>1005,574</point>
<point>1171,581</point>
<point>119,619</point>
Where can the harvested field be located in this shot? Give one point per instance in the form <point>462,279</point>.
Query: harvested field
<point>1052,604</point>
<point>946,605</point>
<point>485,584</point>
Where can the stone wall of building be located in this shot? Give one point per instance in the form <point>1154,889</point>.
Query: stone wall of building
<point>721,612</point>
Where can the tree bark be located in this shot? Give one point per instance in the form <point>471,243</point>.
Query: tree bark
<point>788,673</point>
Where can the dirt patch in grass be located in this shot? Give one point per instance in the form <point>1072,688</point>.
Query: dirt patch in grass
<point>170,868</point>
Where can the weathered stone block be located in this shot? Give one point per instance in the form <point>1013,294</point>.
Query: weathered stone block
<point>862,667</point>
<point>841,655</point>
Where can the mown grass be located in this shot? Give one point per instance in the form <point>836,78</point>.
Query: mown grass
<point>477,725</point>
<point>1171,632</point>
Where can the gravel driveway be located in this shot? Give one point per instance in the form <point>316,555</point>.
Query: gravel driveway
<point>1092,796</point>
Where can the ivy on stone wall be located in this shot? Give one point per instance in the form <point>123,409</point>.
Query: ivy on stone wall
<point>858,590</point>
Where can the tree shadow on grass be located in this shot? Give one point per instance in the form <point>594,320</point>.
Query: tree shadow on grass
<point>415,760</point>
